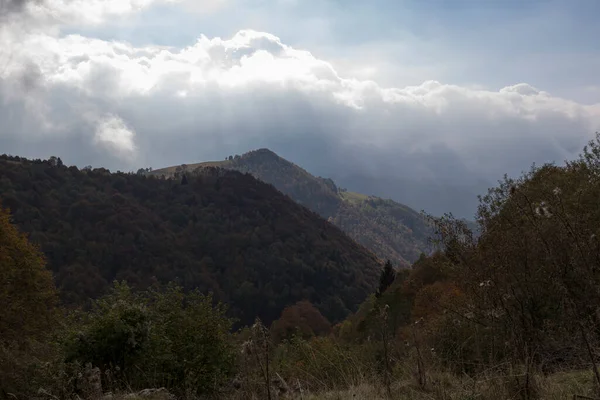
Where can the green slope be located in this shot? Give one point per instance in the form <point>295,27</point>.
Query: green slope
<point>389,229</point>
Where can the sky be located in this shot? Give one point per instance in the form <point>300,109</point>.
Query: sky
<point>393,97</point>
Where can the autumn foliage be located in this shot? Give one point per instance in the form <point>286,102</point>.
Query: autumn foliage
<point>27,294</point>
<point>301,319</point>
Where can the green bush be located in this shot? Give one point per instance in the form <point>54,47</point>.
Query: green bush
<point>113,334</point>
<point>155,339</point>
<point>190,349</point>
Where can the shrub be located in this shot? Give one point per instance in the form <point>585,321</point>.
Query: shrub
<point>156,338</point>
<point>190,350</point>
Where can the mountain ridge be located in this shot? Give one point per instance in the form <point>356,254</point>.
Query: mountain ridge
<point>391,230</point>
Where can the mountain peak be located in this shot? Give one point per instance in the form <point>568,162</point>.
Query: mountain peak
<point>262,150</point>
<point>391,230</point>
<point>263,154</point>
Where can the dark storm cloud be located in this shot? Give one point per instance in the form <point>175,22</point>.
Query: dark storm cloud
<point>12,6</point>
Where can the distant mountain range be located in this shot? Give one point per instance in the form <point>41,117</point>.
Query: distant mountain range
<point>390,229</point>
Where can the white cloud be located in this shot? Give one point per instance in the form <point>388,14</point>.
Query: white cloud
<point>170,105</point>
<point>113,133</point>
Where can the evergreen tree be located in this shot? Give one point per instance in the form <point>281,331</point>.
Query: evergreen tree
<point>388,274</point>
<point>184,180</point>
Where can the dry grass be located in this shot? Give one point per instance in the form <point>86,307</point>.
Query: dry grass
<point>353,197</point>
<point>169,171</point>
<point>556,387</point>
<point>442,386</point>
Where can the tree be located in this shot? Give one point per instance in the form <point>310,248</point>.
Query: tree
<point>28,314</point>
<point>531,278</point>
<point>184,180</point>
<point>27,292</point>
<point>302,318</point>
<point>388,275</point>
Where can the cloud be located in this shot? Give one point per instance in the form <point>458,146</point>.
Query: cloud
<point>205,6</point>
<point>86,12</point>
<point>126,106</point>
<point>113,133</point>
<point>11,6</point>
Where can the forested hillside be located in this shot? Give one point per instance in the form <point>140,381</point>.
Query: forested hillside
<point>219,231</point>
<point>512,313</point>
<point>389,229</point>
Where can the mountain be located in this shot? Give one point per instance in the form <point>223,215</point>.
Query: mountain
<point>220,231</point>
<point>391,230</point>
